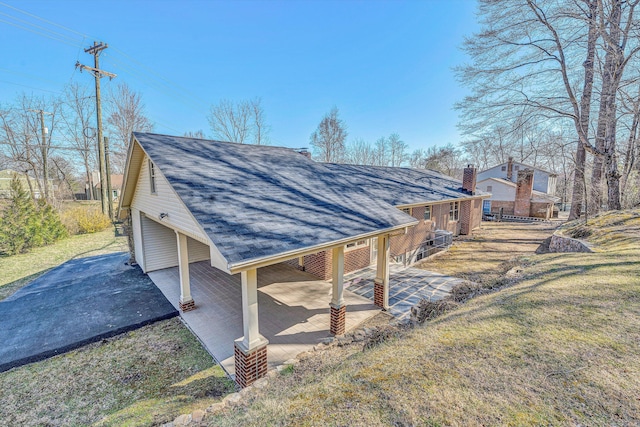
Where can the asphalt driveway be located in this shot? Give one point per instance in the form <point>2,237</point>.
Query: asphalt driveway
<point>79,302</point>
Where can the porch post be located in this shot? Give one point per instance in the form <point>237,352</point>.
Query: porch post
<point>338,307</point>
<point>251,349</point>
<point>186,302</point>
<point>381,283</point>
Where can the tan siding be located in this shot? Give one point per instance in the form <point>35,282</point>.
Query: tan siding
<point>164,201</point>
<point>160,245</point>
<point>197,251</point>
<point>137,238</point>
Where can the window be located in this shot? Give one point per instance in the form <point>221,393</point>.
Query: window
<point>408,211</point>
<point>454,208</point>
<point>152,177</point>
<point>489,188</point>
<point>427,213</point>
<point>516,168</point>
<point>504,168</point>
<point>357,244</point>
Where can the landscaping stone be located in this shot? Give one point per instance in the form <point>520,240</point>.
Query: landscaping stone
<point>232,399</point>
<point>182,420</point>
<point>216,407</point>
<point>197,416</point>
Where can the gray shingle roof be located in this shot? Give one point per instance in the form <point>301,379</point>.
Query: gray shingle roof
<point>402,186</point>
<point>260,201</point>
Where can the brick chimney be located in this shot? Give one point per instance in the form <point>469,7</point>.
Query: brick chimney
<point>510,169</point>
<point>469,179</point>
<point>524,190</point>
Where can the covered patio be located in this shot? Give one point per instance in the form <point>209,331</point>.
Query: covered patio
<point>294,312</point>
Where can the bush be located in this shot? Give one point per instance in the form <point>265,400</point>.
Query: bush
<point>84,220</point>
<point>25,224</point>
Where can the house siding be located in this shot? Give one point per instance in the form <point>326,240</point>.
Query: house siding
<point>161,247</point>
<point>164,201</point>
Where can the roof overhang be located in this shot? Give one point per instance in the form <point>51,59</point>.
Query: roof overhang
<point>234,268</point>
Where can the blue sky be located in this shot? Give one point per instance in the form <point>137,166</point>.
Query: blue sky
<point>386,65</point>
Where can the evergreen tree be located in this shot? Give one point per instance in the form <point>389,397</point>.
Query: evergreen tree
<point>25,225</point>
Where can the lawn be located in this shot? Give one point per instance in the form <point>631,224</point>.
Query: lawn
<point>559,347</point>
<point>141,378</point>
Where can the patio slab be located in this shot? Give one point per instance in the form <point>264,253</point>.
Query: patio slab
<point>407,286</point>
<point>293,309</point>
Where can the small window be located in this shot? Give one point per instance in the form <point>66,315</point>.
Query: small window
<point>152,177</point>
<point>408,211</point>
<point>516,168</point>
<point>454,208</point>
<point>504,168</point>
<point>427,213</point>
<point>357,244</point>
<point>489,188</point>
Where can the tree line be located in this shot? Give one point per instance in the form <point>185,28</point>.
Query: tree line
<point>559,79</point>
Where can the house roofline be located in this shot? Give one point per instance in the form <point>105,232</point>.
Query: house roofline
<point>237,267</point>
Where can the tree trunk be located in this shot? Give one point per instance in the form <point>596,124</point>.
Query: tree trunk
<point>582,124</point>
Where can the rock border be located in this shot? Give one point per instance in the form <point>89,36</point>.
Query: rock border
<point>563,244</point>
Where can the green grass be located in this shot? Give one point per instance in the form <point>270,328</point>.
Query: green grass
<point>560,347</point>
<point>19,270</point>
<point>142,378</point>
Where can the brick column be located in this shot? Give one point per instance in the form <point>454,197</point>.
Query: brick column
<point>338,319</point>
<point>378,294</point>
<point>381,282</point>
<point>251,365</point>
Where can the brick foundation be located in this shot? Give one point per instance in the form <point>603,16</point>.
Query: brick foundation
<point>338,319</point>
<point>378,294</point>
<point>250,365</point>
<point>187,306</point>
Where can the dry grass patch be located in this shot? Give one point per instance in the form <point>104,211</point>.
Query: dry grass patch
<point>141,378</point>
<point>560,347</point>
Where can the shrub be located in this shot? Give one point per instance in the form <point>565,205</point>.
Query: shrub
<point>84,220</point>
<point>25,224</point>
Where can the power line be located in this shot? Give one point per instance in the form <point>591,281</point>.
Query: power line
<point>42,19</point>
<point>55,33</point>
<point>38,32</point>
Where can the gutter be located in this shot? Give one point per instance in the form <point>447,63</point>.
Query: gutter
<point>234,268</point>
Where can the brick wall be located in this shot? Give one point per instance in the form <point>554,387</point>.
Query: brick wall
<point>320,264</point>
<point>524,188</point>
<point>507,207</point>
<point>541,210</point>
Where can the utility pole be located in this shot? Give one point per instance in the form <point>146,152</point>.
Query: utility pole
<point>98,74</point>
<point>45,152</point>
<point>108,165</point>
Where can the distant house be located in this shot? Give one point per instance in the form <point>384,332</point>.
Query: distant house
<point>510,198</point>
<point>28,182</point>
<point>116,187</point>
<point>245,207</point>
<point>543,181</point>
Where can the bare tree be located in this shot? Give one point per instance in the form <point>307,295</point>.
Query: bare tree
<point>397,150</point>
<point>360,152</point>
<point>526,60</point>
<point>78,129</point>
<point>199,134</point>
<point>243,122</point>
<point>382,152</point>
<point>126,115</point>
<point>328,140</point>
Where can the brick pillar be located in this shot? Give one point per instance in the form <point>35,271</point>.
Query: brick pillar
<point>522,206</point>
<point>378,294</point>
<point>338,319</point>
<point>187,306</point>
<point>465,217</point>
<point>251,365</point>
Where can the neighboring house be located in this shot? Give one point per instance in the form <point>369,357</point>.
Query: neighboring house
<point>116,187</point>
<point>518,199</point>
<point>543,181</point>
<point>6,176</point>
<point>243,207</point>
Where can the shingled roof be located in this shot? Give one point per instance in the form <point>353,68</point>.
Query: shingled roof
<point>402,186</point>
<point>260,201</point>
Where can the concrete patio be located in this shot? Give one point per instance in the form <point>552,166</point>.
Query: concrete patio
<point>407,286</point>
<point>293,309</point>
